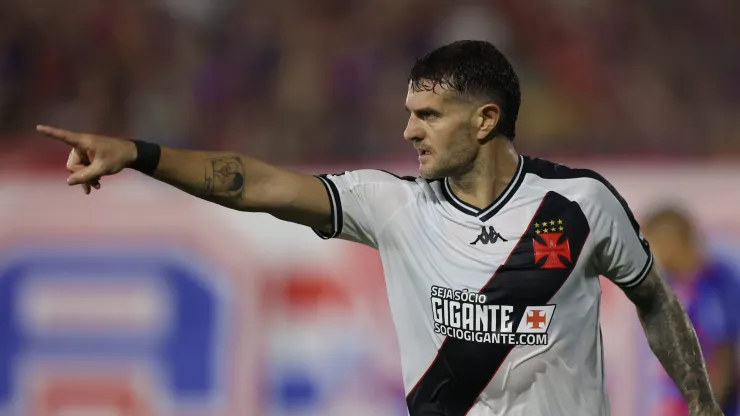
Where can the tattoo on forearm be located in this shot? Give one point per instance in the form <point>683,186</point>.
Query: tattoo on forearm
<point>224,177</point>
<point>673,339</point>
<point>208,182</point>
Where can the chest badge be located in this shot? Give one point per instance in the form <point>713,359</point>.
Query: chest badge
<point>551,244</point>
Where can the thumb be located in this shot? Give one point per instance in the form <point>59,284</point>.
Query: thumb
<point>66,136</point>
<point>88,174</point>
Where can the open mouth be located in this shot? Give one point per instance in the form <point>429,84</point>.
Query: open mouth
<point>424,152</point>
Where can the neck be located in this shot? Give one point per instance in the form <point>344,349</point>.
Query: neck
<point>491,173</point>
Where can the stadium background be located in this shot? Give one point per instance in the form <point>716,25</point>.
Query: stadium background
<point>139,300</point>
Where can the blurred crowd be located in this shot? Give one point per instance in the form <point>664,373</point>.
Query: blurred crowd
<point>325,80</point>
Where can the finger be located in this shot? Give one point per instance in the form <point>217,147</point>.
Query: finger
<point>76,158</point>
<point>86,175</point>
<point>76,167</point>
<point>86,185</point>
<point>66,136</point>
<point>77,162</point>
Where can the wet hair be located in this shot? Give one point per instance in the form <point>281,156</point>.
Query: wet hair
<point>474,70</point>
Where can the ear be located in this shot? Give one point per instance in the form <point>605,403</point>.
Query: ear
<point>487,119</point>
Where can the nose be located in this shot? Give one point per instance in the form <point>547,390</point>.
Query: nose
<point>413,132</point>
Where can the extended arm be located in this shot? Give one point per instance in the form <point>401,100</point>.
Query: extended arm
<point>673,340</point>
<point>232,180</point>
<point>244,183</point>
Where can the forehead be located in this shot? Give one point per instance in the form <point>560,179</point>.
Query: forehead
<point>427,97</point>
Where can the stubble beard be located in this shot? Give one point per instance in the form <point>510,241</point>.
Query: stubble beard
<point>455,162</point>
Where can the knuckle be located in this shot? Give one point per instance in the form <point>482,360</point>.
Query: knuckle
<point>86,141</point>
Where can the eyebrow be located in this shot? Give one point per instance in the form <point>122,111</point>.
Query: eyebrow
<point>423,110</point>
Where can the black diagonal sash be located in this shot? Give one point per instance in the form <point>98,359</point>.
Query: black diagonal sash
<point>462,369</point>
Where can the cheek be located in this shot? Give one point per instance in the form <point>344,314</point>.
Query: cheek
<point>452,141</point>
<point>451,136</point>
<point>461,143</point>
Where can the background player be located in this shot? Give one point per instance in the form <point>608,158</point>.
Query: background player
<point>463,101</point>
<point>709,289</point>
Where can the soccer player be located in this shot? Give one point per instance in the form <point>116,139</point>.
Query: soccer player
<point>491,259</point>
<point>709,289</point>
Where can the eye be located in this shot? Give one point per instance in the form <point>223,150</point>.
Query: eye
<point>427,115</point>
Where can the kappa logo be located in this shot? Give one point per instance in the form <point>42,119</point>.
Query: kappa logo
<point>487,236</point>
<point>555,247</point>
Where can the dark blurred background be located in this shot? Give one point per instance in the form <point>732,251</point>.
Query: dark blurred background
<point>324,80</point>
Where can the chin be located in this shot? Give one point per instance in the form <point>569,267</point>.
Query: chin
<point>428,172</point>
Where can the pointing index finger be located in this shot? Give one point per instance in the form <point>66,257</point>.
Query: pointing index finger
<point>63,135</point>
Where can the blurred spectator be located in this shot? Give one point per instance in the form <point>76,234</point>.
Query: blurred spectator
<point>709,289</point>
<point>325,80</point>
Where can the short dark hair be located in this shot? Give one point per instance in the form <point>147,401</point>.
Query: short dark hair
<point>473,69</point>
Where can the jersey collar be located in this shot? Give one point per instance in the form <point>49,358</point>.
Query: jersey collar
<point>495,206</point>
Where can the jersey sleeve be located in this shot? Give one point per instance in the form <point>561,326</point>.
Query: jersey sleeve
<point>623,255</point>
<point>363,203</point>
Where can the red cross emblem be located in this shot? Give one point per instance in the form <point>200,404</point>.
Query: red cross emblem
<point>535,319</point>
<point>552,250</point>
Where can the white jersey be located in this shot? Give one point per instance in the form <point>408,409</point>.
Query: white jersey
<point>496,310</point>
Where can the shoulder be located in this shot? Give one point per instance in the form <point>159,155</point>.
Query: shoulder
<point>585,185</point>
<point>371,176</point>
<point>377,183</point>
<point>597,197</point>
<point>551,171</point>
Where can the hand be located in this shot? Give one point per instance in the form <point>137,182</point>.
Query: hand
<point>92,157</point>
